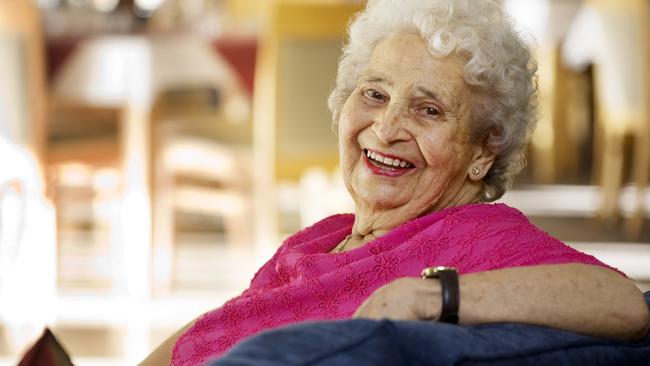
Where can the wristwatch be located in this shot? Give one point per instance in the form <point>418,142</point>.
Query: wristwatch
<point>448,277</point>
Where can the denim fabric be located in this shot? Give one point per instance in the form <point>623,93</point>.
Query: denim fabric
<point>362,342</point>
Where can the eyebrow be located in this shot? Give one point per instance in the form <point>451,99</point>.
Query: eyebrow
<point>376,77</point>
<point>432,95</point>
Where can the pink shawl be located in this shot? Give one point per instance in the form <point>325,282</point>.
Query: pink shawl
<point>303,281</point>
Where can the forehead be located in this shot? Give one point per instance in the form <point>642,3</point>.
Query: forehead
<point>405,60</point>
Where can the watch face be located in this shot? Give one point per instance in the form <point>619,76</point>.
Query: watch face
<point>443,268</point>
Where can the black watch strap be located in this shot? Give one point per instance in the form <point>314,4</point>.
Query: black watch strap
<point>448,277</point>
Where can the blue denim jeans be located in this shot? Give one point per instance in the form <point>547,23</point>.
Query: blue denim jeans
<point>362,342</point>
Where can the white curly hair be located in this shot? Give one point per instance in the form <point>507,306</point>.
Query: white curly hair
<point>500,70</point>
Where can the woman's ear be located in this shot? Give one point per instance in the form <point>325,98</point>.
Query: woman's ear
<point>482,160</point>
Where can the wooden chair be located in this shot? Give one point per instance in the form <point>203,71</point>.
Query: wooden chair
<point>628,22</point>
<point>200,169</point>
<point>295,71</point>
<point>621,57</point>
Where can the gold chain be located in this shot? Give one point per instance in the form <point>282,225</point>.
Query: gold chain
<point>340,247</point>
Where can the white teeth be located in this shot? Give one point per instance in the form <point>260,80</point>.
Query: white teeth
<point>388,161</point>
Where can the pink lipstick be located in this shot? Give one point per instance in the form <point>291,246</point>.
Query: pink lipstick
<point>385,164</point>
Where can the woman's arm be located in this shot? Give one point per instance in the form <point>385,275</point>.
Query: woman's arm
<point>162,355</point>
<point>575,297</point>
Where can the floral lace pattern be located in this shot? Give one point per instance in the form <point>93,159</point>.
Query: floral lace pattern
<point>303,281</point>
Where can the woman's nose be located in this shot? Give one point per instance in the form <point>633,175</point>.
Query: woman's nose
<point>389,127</point>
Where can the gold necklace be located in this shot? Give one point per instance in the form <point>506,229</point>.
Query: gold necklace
<point>340,247</point>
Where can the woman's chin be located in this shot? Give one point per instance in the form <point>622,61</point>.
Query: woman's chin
<point>384,199</point>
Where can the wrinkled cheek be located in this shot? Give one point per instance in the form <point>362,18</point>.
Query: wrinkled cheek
<point>349,159</point>
<point>347,165</point>
<point>435,158</point>
<point>444,164</point>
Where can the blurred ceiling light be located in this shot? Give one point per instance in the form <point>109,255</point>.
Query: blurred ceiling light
<point>105,6</point>
<point>531,16</point>
<point>148,6</point>
<point>109,71</point>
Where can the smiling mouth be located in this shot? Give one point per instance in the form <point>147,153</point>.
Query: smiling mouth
<point>386,162</point>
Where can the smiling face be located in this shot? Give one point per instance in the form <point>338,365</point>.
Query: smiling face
<point>404,134</point>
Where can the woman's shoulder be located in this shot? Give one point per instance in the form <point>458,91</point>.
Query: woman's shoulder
<point>489,207</point>
<point>481,211</point>
<point>504,237</point>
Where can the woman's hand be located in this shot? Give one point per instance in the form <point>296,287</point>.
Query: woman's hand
<point>403,299</point>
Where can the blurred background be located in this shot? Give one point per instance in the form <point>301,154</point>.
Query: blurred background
<point>154,153</point>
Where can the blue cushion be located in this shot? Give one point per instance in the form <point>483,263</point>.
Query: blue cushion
<point>362,342</point>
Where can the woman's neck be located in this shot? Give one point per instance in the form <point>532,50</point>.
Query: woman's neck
<point>372,222</point>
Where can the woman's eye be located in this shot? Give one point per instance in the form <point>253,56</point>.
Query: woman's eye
<point>373,94</point>
<point>431,111</point>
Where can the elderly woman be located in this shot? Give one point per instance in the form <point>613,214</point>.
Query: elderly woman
<point>434,101</point>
